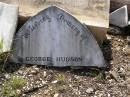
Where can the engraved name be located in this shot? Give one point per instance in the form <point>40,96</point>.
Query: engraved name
<point>39,22</point>
<point>61,17</point>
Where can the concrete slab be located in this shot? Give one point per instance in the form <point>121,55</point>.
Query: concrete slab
<point>8,25</point>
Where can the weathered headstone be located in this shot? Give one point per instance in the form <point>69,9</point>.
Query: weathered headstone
<point>8,23</point>
<point>119,17</point>
<point>94,13</point>
<point>54,37</point>
<point>115,4</point>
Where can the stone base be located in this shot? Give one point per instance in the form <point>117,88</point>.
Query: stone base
<point>22,20</point>
<point>99,33</point>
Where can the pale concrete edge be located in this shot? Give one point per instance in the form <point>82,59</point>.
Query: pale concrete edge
<point>11,5</point>
<point>15,25</point>
<point>109,14</point>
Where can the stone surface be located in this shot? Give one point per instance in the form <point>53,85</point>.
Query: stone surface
<point>99,33</point>
<point>55,38</point>
<point>56,95</point>
<point>119,17</point>
<point>89,90</point>
<point>8,24</point>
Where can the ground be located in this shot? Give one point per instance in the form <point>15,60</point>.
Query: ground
<point>42,81</point>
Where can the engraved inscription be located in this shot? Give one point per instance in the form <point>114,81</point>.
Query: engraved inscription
<point>61,17</point>
<point>39,22</point>
<point>31,27</point>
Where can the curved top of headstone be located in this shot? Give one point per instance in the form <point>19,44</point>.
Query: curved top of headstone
<point>54,37</point>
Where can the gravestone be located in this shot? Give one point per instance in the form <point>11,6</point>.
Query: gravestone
<point>119,17</point>
<point>55,38</point>
<point>8,24</point>
<point>115,4</point>
<point>94,13</point>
